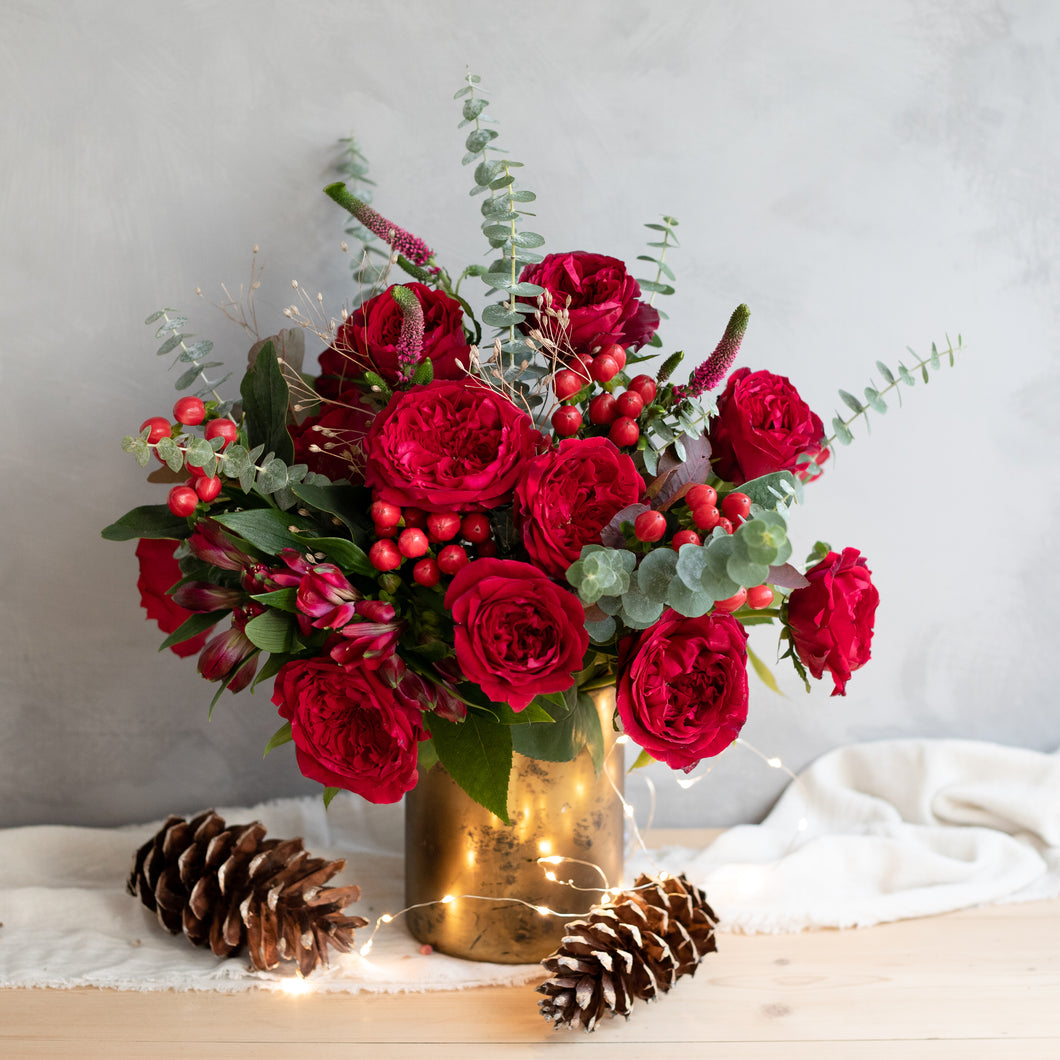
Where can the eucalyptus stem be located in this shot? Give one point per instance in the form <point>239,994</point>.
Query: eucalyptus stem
<point>202,374</point>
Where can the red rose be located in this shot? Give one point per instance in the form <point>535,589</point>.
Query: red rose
<point>351,729</point>
<point>831,618</point>
<point>762,426</point>
<point>158,572</point>
<point>518,634</point>
<point>449,446</point>
<point>368,340</point>
<point>682,687</point>
<point>331,443</point>
<point>567,496</point>
<point>604,303</point>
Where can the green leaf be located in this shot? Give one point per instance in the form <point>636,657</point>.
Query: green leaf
<point>485,172</point>
<point>773,491</point>
<point>873,398</point>
<point>851,402</point>
<point>477,753</point>
<point>329,794</point>
<point>281,736</point>
<point>265,399</point>
<point>171,453</point>
<point>273,476</point>
<point>158,315</point>
<point>348,504</point>
<point>345,554</point>
<point>499,316</point>
<point>643,759</point>
<point>657,570</point>
<point>149,520</point>
<point>172,324</point>
<point>192,627</point>
<point>199,453</point>
<point>274,631</point>
<point>885,372</point>
<point>764,673</point>
<point>265,528</point>
<point>281,599</point>
<point>235,460</point>
<point>169,345</point>
<point>478,139</point>
<point>655,288</point>
<point>528,239</point>
<point>473,107</point>
<point>187,378</point>
<point>426,757</point>
<point>842,432</point>
<point>564,738</point>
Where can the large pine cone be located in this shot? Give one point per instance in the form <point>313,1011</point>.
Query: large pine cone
<point>230,887</point>
<point>634,947</point>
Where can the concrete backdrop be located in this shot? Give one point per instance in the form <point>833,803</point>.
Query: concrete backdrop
<point>864,175</point>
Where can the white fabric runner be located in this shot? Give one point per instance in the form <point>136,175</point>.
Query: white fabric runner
<point>894,829</point>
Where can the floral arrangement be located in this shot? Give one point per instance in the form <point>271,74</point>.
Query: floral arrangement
<point>436,546</point>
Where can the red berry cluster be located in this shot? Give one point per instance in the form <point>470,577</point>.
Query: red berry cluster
<point>202,485</point>
<point>411,533</point>
<point>618,412</point>
<point>702,510</point>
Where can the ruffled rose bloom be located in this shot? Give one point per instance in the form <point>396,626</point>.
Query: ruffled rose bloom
<point>604,305</point>
<point>449,446</point>
<point>682,687</point>
<point>351,728</point>
<point>368,340</point>
<point>517,634</point>
<point>567,496</point>
<point>831,618</point>
<point>762,426</point>
<point>159,572</point>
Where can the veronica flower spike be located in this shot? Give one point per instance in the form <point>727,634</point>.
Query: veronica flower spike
<point>406,244</point>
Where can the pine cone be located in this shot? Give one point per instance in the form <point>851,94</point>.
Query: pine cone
<point>230,887</point>
<point>633,947</point>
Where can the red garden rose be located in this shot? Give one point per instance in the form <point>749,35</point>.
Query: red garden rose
<point>449,446</point>
<point>351,729</point>
<point>682,687</point>
<point>604,304</point>
<point>762,426</point>
<point>331,443</point>
<point>831,618</point>
<point>158,572</point>
<point>518,634</point>
<point>368,340</point>
<point>567,496</point>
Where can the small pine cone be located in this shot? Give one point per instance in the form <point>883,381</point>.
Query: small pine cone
<point>227,888</point>
<point>634,947</point>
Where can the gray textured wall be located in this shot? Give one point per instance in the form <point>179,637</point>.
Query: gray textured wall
<point>864,175</point>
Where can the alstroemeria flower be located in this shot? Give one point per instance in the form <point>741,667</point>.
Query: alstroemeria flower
<point>204,597</point>
<point>210,543</point>
<point>326,596</point>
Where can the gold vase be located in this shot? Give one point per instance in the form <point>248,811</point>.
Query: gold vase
<point>454,846</point>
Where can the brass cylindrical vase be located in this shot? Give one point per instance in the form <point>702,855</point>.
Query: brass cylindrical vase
<point>454,846</point>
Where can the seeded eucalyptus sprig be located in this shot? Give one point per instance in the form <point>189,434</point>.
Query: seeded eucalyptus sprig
<point>502,210</point>
<point>657,286</point>
<point>194,355</point>
<point>874,394</point>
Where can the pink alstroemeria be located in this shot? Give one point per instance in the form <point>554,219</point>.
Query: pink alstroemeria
<point>325,595</point>
<point>225,657</point>
<point>204,596</point>
<point>370,643</point>
<point>210,543</point>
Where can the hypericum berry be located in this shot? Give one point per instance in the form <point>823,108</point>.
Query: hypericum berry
<point>700,495</point>
<point>645,386</point>
<point>630,403</point>
<point>733,603</point>
<point>182,501</point>
<point>451,559</point>
<point>384,513</point>
<point>414,517</point>
<point>208,487</point>
<point>426,573</point>
<point>475,527</point>
<point>615,351</point>
<point>189,410</point>
<point>706,517</point>
<point>160,428</point>
<point>222,428</point>
<point>567,420</point>
<point>387,531</point>
<point>603,409</point>
<point>384,556</point>
<point>649,526</point>
<point>736,505</point>
<point>412,542</point>
<point>759,596</point>
<point>604,368</point>
<point>443,526</point>
<point>567,383</point>
<point>686,537</point>
<point>624,431</point>
<point>726,525</point>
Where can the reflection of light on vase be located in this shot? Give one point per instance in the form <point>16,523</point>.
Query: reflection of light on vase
<point>453,846</point>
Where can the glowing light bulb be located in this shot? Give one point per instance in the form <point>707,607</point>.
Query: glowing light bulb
<point>543,910</point>
<point>448,898</point>
<point>296,986</point>
<point>386,918</point>
<point>550,876</point>
<point>552,859</point>
<point>775,763</point>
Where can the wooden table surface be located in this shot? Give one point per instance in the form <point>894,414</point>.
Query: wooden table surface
<point>977,983</point>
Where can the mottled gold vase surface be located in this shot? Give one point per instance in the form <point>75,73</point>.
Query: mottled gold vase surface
<point>454,846</point>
